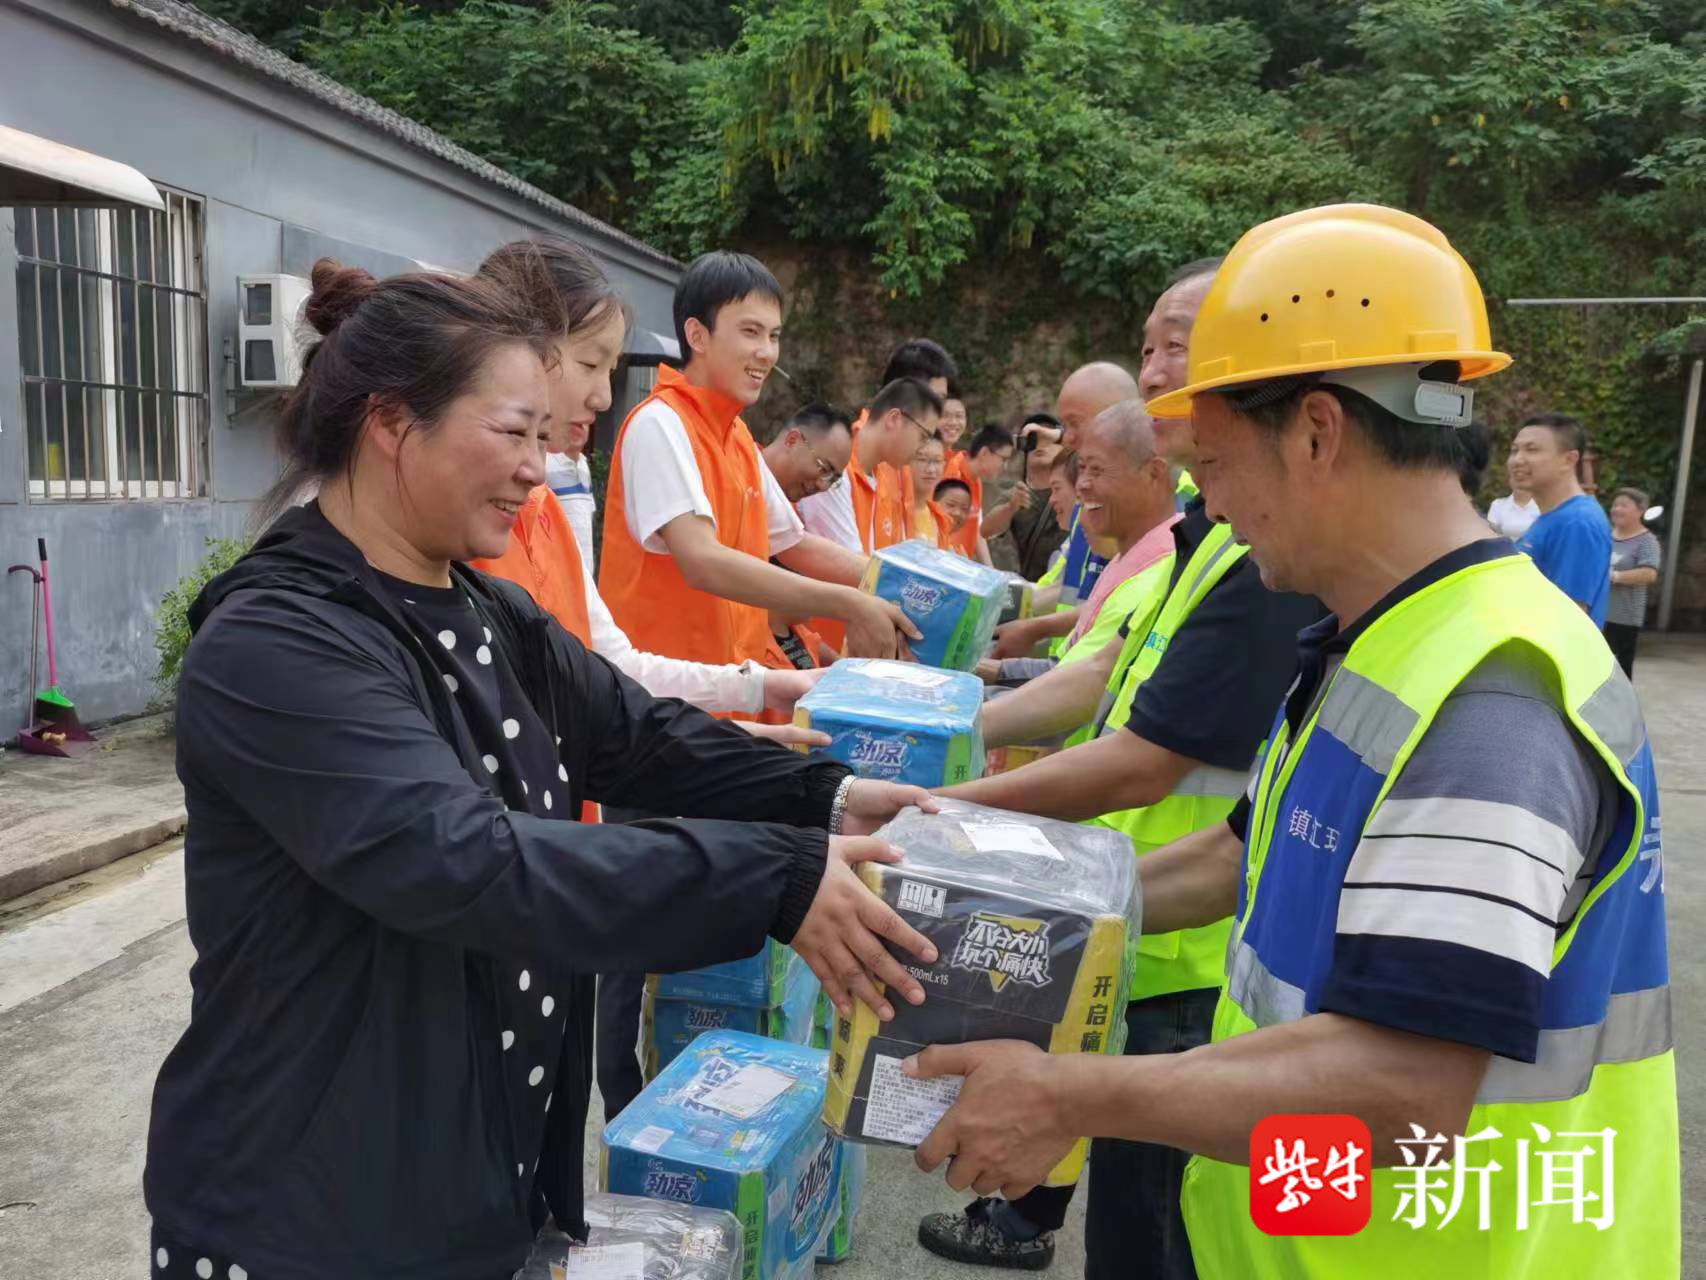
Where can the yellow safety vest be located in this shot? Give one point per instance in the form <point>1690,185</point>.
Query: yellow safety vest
<point>1188,959</point>
<point>1604,1058</point>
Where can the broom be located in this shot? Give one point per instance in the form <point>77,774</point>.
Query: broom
<point>58,731</point>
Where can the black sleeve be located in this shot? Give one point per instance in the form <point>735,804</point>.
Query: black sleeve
<point>1239,819</point>
<point>321,743</point>
<point>667,756</point>
<point>1213,696</point>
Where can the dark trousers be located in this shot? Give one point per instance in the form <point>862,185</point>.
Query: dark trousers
<point>1133,1226</point>
<point>1622,637</point>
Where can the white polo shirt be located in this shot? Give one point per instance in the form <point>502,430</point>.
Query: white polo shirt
<point>661,480</point>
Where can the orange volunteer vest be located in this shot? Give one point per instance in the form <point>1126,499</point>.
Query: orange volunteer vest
<point>645,590</point>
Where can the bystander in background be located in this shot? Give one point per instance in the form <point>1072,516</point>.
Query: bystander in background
<point>1512,514</point>
<point>1635,560</point>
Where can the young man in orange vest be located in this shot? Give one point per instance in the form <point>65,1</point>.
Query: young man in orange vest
<point>871,507</point>
<point>692,515</point>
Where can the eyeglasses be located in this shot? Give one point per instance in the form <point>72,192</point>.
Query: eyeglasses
<point>827,471</point>
<point>924,432</point>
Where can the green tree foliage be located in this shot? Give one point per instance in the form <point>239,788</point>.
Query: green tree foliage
<point>1079,149</point>
<point>1115,136</point>
<point>560,95</point>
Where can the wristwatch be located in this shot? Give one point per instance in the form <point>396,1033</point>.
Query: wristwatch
<point>838,806</point>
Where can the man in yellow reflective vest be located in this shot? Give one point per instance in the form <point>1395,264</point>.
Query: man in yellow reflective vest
<point>1446,880</point>
<point>1185,710</point>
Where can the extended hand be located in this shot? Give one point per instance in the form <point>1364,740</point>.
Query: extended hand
<point>842,935</point>
<point>1014,639</point>
<point>871,803</point>
<point>1007,1130</point>
<point>789,735</point>
<point>782,689</point>
<point>1019,498</point>
<point>878,628</point>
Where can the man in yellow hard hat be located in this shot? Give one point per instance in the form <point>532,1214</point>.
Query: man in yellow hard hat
<point>1446,879</point>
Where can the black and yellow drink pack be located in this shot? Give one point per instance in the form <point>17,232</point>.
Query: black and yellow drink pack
<point>1034,923</point>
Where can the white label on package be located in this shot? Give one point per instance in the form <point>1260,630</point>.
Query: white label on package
<point>905,672</point>
<point>625,1261</point>
<point>1010,837</point>
<point>901,1109</point>
<point>922,899</point>
<point>748,1091</point>
<point>650,1139</point>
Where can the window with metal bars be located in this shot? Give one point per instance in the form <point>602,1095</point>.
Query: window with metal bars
<point>112,332</point>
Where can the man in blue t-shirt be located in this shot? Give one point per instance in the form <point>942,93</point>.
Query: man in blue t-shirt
<point>1571,541</point>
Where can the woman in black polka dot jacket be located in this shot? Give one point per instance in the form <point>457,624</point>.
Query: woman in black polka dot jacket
<point>386,1072</point>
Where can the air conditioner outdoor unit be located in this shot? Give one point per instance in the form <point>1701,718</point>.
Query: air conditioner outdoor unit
<point>269,311</point>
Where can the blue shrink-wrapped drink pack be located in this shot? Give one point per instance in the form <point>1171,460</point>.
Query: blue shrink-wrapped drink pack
<point>637,1239</point>
<point>671,1025</point>
<point>838,1244</point>
<point>955,602</point>
<point>736,1123</point>
<point>760,981</point>
<point>899,721</point>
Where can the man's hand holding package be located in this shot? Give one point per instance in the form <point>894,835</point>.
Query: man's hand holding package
<point>1008,1128</point>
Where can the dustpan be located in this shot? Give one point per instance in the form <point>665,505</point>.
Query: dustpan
<point>51,728</point>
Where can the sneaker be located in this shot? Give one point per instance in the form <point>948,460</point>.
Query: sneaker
<point>972,1237</point>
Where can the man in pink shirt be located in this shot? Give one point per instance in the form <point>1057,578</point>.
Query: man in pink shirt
<point>1125,492</point>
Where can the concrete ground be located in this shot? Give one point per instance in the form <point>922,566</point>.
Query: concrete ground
<point>94,991</point>
<point>60,818</point>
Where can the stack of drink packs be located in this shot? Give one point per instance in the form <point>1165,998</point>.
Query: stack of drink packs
<point>838,1244</point>
<point>955,602</point>
<point>1035,923</point>
<point>899,721</point>
<point>770,994</point>
<point>736,1123</point>
<point>636,1239</point>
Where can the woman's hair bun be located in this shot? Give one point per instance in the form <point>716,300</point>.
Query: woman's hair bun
<point>337,291</point>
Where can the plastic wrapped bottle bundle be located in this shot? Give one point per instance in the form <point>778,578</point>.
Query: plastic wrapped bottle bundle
<point>760,981</point>
<point>1035,923</point>
<point>899,721</point>
<point>735,1122</point>
<point>839,1244</point>
<point>671,1025</point>
<point>1021,599</point>
<point>632,1238</point>
<point>955,602</point>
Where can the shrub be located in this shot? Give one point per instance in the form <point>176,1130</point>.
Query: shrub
<point>172,618</point>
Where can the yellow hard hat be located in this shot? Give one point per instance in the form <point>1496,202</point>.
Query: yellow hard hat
<point>1345,286</point>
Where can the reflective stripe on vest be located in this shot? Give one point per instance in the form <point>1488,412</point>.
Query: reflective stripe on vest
<point>1187,959</point>
<point>1604,1055</point>
<point>1212,560</point>
<point>1141,597</point>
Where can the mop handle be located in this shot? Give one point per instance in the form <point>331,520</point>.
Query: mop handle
<point>35,629</point>
<point>47,609</point>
